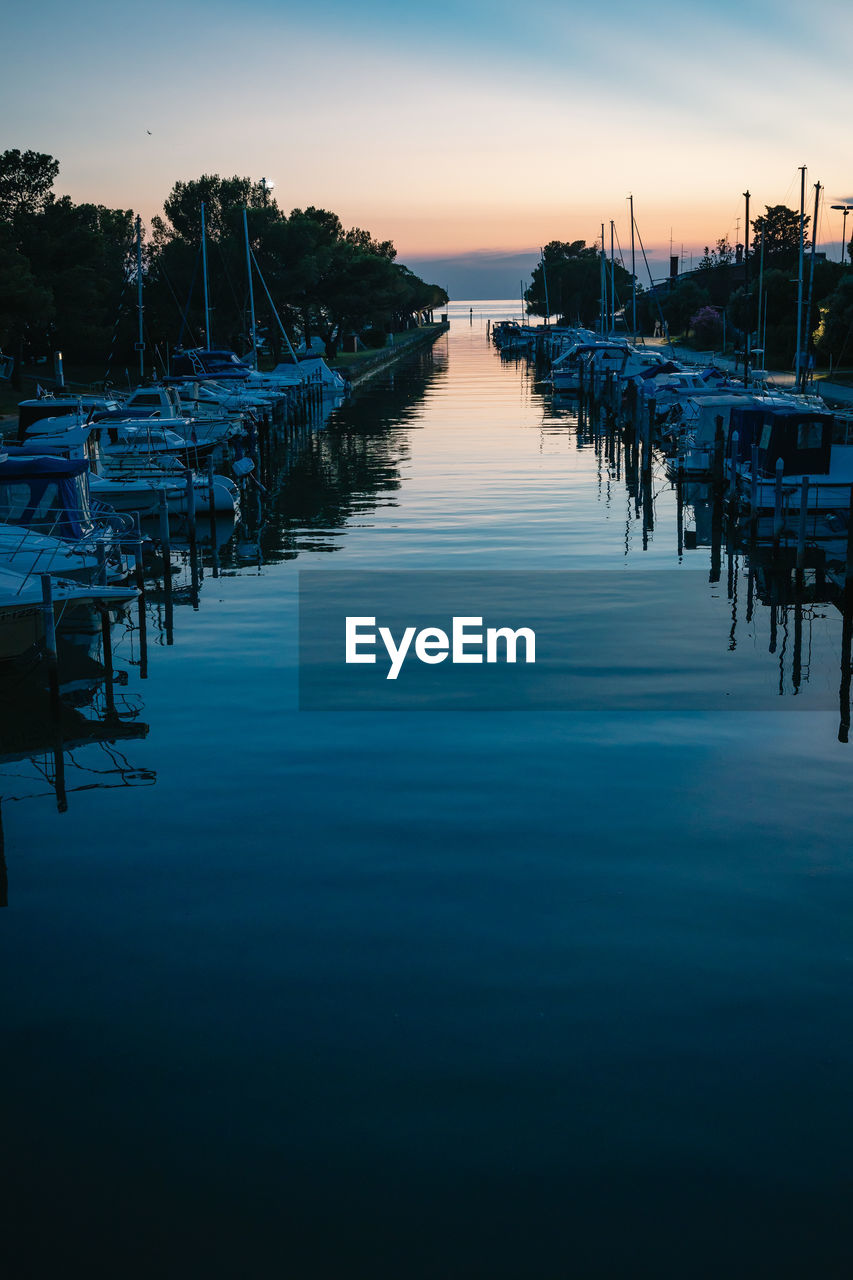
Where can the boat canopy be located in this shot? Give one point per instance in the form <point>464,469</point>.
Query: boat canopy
<point>45,493</point>
<point>199,362</point>
<point>31,411</point>
<point>803,440</point>
<point>656,370</point>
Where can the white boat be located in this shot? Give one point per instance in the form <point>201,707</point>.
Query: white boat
<point>800,440</point>
<point>141,493</point>
<point>47,524</point>
<point>26,551</point>
<point>127,476</point>
<point>22,607</point>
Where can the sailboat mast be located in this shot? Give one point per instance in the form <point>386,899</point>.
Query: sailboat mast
<point>545,282</point>
<point>251,290</point>
<point>808,333</point>
<point>633,273</point>
<point>762,301</point>
<point>204,273</point>
<point>140,345</point>
<point>748,339</point>
<point>603,284</point>
<point>800,273</point>
<point>612,283</point>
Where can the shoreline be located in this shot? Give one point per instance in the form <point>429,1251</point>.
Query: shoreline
<point>366,365</point>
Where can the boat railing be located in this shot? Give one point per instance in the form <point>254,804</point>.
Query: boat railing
<point>101,542</point>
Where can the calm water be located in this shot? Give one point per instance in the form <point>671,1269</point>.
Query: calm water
<point>430,994</point>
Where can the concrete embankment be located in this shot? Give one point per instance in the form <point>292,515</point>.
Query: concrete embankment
<point>367,365</point>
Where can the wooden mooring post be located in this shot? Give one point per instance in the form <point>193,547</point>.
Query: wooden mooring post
<point>801,528</point>
<point>719,452</point>
<point>777,503</point>
<point>4,876</point>
<point>847,633</point>
<point>166,543</point>
<point>101,552</point>
<point>211,516</point>
<point>107,643</point>
<point>142,617</point>
<point>165,533</point>
<point>49,623</point>
<point>648,427</point>
<point>733,459</point>
<point>191,506</point>
<point>716,537</point>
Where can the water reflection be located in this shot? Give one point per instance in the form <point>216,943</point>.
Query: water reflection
<point>311,481</point>
<point>59,747</point>
<point>792,597</point>
<point>459,458</point>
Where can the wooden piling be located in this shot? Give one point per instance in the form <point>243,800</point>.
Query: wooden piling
<point>107,642</point>
<point>848,569</point>
<point>719,451</point>
<point>142,621</point>
<point>191,505</point>
<point>647,439</point>
<point>777,502</point>
<point>165,536</point>
<point>847,633</point>
<point>801,529</point>
<point>4,875</point>
<point>165,539</point>
<point>139,569</point>
<point>50,638</point>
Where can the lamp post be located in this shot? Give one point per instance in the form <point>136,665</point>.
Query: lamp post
<point>844,209</point>
<point>266,186</point>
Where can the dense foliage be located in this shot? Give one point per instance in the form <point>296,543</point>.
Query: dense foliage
<point>722,296</point>
<point>569,272</point>
<point>68,272</point>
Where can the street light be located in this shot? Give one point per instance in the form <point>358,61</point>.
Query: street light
<point>847,208</point>
<point>266,186</point>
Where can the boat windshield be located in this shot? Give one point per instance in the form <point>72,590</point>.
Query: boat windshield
<point>59,506</point>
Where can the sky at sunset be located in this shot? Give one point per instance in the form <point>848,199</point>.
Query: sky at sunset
<point>452,128</point>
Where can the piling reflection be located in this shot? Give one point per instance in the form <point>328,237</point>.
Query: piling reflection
<point>59,743</point>
<point>312,476</point>
<point>791,575</point>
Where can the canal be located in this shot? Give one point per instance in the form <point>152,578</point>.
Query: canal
<point>500,994</point>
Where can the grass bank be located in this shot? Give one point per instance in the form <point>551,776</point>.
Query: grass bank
<point>359,365</point>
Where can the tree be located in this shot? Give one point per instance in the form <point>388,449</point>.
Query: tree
<point>778,230</point>
<point>81,252</point>
<point>364,240</point>
<point>707,326</point>
<point>684,301</point>
<point>326,280</point>
<point>25,305</point>
<point>26,178</point>
<point>835,333</point>
<point>722,255</point>
<point>572,273</point>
